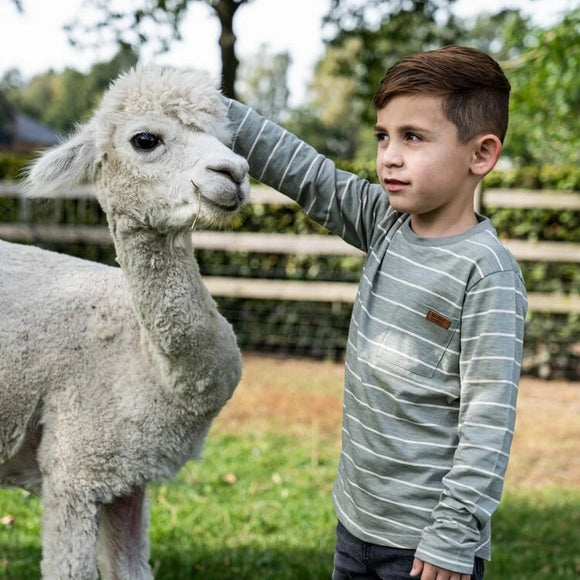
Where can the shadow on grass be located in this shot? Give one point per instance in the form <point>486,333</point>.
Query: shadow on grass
<point>536,535</point>
<point>20,562</point>
<point>243,563</point>
<point>23,563</point>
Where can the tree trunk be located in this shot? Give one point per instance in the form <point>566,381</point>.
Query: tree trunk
<point>226,10</point>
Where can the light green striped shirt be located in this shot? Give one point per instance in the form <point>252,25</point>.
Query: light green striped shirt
<point>432,363</point>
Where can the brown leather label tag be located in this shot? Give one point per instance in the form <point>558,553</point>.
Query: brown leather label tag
<point>438,319</point>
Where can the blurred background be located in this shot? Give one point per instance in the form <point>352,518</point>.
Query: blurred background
<point>313,66</point>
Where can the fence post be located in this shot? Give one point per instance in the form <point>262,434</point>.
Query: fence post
<point>24,210</point>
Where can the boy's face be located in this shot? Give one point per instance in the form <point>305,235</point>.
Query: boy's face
<point>423,167</point>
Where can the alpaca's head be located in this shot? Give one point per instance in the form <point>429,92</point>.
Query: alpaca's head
<point>156,150</point>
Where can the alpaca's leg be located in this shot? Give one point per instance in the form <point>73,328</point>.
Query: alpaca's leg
<point>69,533</point>
<point>123,538</point>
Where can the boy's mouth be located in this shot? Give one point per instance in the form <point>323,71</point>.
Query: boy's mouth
<point>394,185</point>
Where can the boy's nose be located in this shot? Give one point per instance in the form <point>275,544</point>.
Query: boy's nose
<point>391,156</point>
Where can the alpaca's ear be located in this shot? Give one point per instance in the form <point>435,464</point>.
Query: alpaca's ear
<point>71,163</point>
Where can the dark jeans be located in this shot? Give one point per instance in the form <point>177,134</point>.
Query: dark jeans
<point>358,560</point>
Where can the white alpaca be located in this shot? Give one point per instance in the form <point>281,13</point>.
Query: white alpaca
<point>110,379</point>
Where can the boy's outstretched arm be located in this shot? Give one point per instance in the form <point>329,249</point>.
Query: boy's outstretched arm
<point>338,200</point>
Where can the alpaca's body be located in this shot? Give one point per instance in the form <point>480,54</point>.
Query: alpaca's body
<point>115,386</point>
<point>110,378</point>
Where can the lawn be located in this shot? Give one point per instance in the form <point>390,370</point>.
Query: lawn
<point>258,503</point>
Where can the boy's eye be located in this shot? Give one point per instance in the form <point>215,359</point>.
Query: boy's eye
<point>412,137</point>
<point>380,137</point>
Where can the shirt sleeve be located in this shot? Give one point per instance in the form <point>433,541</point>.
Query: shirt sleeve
<point>338,200</point>
<point>492,326</point>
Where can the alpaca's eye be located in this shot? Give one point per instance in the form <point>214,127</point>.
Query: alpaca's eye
<point>145,141</point>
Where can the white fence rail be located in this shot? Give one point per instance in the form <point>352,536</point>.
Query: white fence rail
<point>26,231</point>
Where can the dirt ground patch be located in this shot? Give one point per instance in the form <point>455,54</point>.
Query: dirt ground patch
<point>545,445</point>
<point>285,394</point>
<point>301,397</point>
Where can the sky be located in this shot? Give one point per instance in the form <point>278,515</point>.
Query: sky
<point>35,42</point>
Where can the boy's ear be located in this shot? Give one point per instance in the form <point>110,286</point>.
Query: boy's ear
<point>486,152</point>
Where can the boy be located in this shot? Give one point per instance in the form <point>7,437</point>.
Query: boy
<point>435,340</point>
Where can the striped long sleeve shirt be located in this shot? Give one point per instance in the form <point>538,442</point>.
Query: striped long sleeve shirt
<point>432,363</point>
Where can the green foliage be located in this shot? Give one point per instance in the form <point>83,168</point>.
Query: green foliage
<point>364,169</point>
<point>536,224</point>
<point>12,165</point>
<point>543,66</point>
<point>545,102</point>
<point>310,329</point>
<point>539,224</point>
<point>20,539</point>
<point>275,521</point>
<point>61,100</point>
<point>323,121</point>
<point>534,534</point>
<point>335,140</point>
<point>365,38</point>
<point>549,343</point>
<point>503,34</point>
<point>558,177</point>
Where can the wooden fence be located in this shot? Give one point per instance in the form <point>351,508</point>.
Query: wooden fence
<point>26,231</point>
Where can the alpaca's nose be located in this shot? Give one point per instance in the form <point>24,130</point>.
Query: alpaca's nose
<point>233,169</point>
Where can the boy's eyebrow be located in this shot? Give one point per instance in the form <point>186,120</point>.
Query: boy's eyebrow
<point>404,129</point>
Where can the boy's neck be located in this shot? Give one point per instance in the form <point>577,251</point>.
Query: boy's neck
<point>427,227</point>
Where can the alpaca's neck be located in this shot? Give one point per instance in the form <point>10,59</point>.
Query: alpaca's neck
<point>171,300</point>
<point>174,307</point>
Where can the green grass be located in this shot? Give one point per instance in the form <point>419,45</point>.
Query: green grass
<point>536,535</point>
<point>254,507</point>
<point>275,521</point>
<point>259,506</point>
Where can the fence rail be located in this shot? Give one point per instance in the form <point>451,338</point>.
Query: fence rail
<point>26,231</point>
<point>267,243</point>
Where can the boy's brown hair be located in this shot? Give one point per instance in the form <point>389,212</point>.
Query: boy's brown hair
<point>474,89</point>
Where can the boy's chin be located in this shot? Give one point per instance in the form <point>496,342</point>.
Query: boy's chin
<point>398,203</point>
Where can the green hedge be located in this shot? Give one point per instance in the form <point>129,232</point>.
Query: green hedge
<point>319,329</point>
<point>552,177</point>
<point>12,165</point>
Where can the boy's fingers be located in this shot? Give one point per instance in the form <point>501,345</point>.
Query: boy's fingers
<point>417,567</point>
<point>443,575</point>
<point>429,572</point>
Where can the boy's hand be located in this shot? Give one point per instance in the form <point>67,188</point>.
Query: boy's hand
<point>429,572</point>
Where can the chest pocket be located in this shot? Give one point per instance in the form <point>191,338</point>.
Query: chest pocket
<point>417,338</point>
